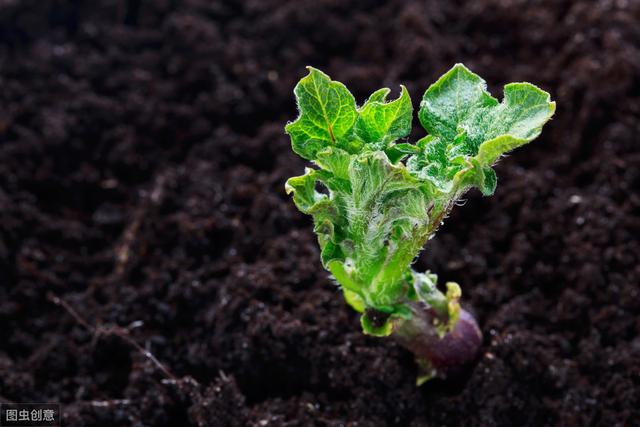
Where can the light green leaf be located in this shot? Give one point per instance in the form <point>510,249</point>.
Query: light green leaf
<point>474,175</point>
<point>330,250</point>
<point>515,122</point>
<point>327,115</point>
<point>304,191</point>
<point>306,198</point>
<point>469,129</point>
<point>370,328</point>
<point>448,102</point>
<point>383,326</point>
<point>380,123</point>
<point>335,161</point>
<point>408,148</point>
<point>378,96</point>
<point>490,182</point>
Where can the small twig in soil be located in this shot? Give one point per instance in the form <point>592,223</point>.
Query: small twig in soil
<point>122,333</point>
<point>149,199</point>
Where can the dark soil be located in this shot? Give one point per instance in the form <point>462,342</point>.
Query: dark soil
<point>142,163</point>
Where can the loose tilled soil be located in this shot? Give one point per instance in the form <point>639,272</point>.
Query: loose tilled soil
<point>142,163</point>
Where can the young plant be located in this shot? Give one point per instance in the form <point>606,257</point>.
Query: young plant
<point>375,201</point>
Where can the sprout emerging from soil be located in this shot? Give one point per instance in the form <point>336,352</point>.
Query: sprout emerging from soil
<point>375,202</point>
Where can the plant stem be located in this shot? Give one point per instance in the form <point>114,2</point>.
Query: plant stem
<point>444,356</point>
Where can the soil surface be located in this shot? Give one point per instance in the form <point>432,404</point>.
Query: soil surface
<point>142,215</point>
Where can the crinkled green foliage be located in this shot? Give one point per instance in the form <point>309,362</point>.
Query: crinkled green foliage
<point>327,115</point>
<point>379,123</point>
<point>375,200</point>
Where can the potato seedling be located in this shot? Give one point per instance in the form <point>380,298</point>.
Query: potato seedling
<point>375,201</point>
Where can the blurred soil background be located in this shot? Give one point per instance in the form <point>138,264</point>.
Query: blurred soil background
<point>142,165</point>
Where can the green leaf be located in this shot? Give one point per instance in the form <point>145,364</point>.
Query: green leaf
<point>327,115</point>
<point>515,122</point>
<point>448,102</point>
<point>407,148</point>
<point>387,317</point>
<point>490,181</point>
<point>330,250</point>
<point>305,196</point>
<point>370,328</point>
<point>378,96</point>
<point>475,175</point>
<point>325,212</point>
<point>459,110</point>
<point>335,161</point>
<point>469,129</point>
<point>381,123</point>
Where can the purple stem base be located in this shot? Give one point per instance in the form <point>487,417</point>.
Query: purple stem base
<point>444,357</point>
